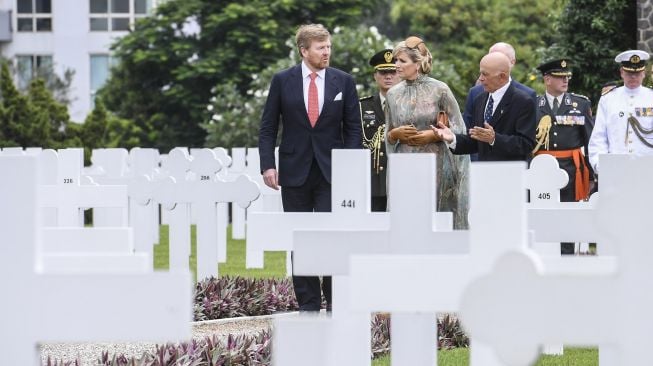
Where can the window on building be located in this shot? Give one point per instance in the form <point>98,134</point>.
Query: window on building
<point>101,65</point>
<point>117,15</point>
<point>29,67</point>
<point>34,16</point>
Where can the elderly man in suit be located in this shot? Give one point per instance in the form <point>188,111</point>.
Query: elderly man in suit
<point>319,108</point>
<point>509,51</point>
<point>504,117</point>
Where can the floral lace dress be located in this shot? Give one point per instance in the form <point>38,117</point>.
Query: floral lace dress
<point>418,102</point>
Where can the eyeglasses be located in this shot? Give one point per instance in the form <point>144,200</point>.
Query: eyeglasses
<point>414,42</point>
<point>387,72</point>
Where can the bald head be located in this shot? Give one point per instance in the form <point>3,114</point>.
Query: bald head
<point>496,61</point>
<point>494,71</point>
<point>506,49</point>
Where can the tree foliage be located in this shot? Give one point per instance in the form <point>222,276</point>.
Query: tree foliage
<point>173,60</point>
<point>459,32</point>
<point>592,33</point>
<point>36,119</point>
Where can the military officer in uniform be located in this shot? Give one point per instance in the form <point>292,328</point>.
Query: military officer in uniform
<point>373,124</point>
<point>563,131</point>
<point>624,117</point>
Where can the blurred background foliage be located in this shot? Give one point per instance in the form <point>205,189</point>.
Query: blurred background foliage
<point>196,72</point>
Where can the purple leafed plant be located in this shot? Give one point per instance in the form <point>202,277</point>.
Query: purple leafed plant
<point>236,350</point>
<point>230,297</point>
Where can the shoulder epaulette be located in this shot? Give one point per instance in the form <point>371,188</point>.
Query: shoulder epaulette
<point>365,98</point>
<point>608,89</point>
<point>581,96</point>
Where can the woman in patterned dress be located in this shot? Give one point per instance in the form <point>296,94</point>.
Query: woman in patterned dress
<point>413,106</point>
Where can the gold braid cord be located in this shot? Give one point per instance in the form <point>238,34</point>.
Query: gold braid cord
<point>374,144</point>
<point>542,135</point>
<point>639,131</point>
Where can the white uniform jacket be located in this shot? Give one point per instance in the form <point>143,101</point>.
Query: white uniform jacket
<point>612,133</point>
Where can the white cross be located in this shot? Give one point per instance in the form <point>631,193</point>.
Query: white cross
<point>40,307</point>
<point>430,282</point>
<point>143,210</point>
<point>519,297</point>
<point>70,195</point>
<point>203,191</point>
<point>350,205</point>
<point>109,167</point>
<point>327,250</point>
<point>238,162</point>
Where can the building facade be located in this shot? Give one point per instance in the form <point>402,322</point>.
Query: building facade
<point>55,35</point>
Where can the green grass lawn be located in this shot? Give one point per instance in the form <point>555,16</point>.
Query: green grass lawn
<point>275,262</point>
<point>275,266</point>
<point>460,357</point>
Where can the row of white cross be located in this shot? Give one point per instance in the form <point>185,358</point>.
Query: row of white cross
<point>407,261</point>
<point>413,268</point>
<point>77,305</point>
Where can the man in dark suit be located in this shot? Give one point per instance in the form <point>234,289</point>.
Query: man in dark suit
<point>477,89</point>
<point>373,124</point>
<point>504,117</point>
<point>320,112</point>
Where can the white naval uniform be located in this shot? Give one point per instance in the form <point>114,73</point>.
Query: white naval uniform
<point>611,124</point>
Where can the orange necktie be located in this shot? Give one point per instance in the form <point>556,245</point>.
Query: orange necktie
<point>313,104</point>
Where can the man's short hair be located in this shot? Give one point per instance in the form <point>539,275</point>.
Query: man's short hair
<point>308,33</point>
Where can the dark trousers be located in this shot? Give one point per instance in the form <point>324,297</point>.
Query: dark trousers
<point>379,203</point>
<point>313,196</point>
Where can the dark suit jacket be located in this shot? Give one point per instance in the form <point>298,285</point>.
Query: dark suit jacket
<point>337,127</point>
<point>478,89</point>
<point>513,122</point>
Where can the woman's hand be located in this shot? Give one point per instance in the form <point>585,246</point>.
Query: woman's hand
<point>423,138</point>
<point>402,133</point>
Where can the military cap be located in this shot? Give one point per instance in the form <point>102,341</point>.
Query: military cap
<point>555,67</point>
<point>383,61</point>
<point>633,60</point>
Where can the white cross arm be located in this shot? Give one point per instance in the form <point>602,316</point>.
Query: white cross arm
<point>572,221</point>
<point>84,196</point>
<point>77,239</point>
<point>167,295</point>
<point>242,191</point>
<point>324,252</point>
<point>383,282</point>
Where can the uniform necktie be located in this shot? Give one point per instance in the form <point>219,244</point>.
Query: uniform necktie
<point>556,105</point>
<point>488,110</point>
<point>313,104</point>
<point>385,107</point>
